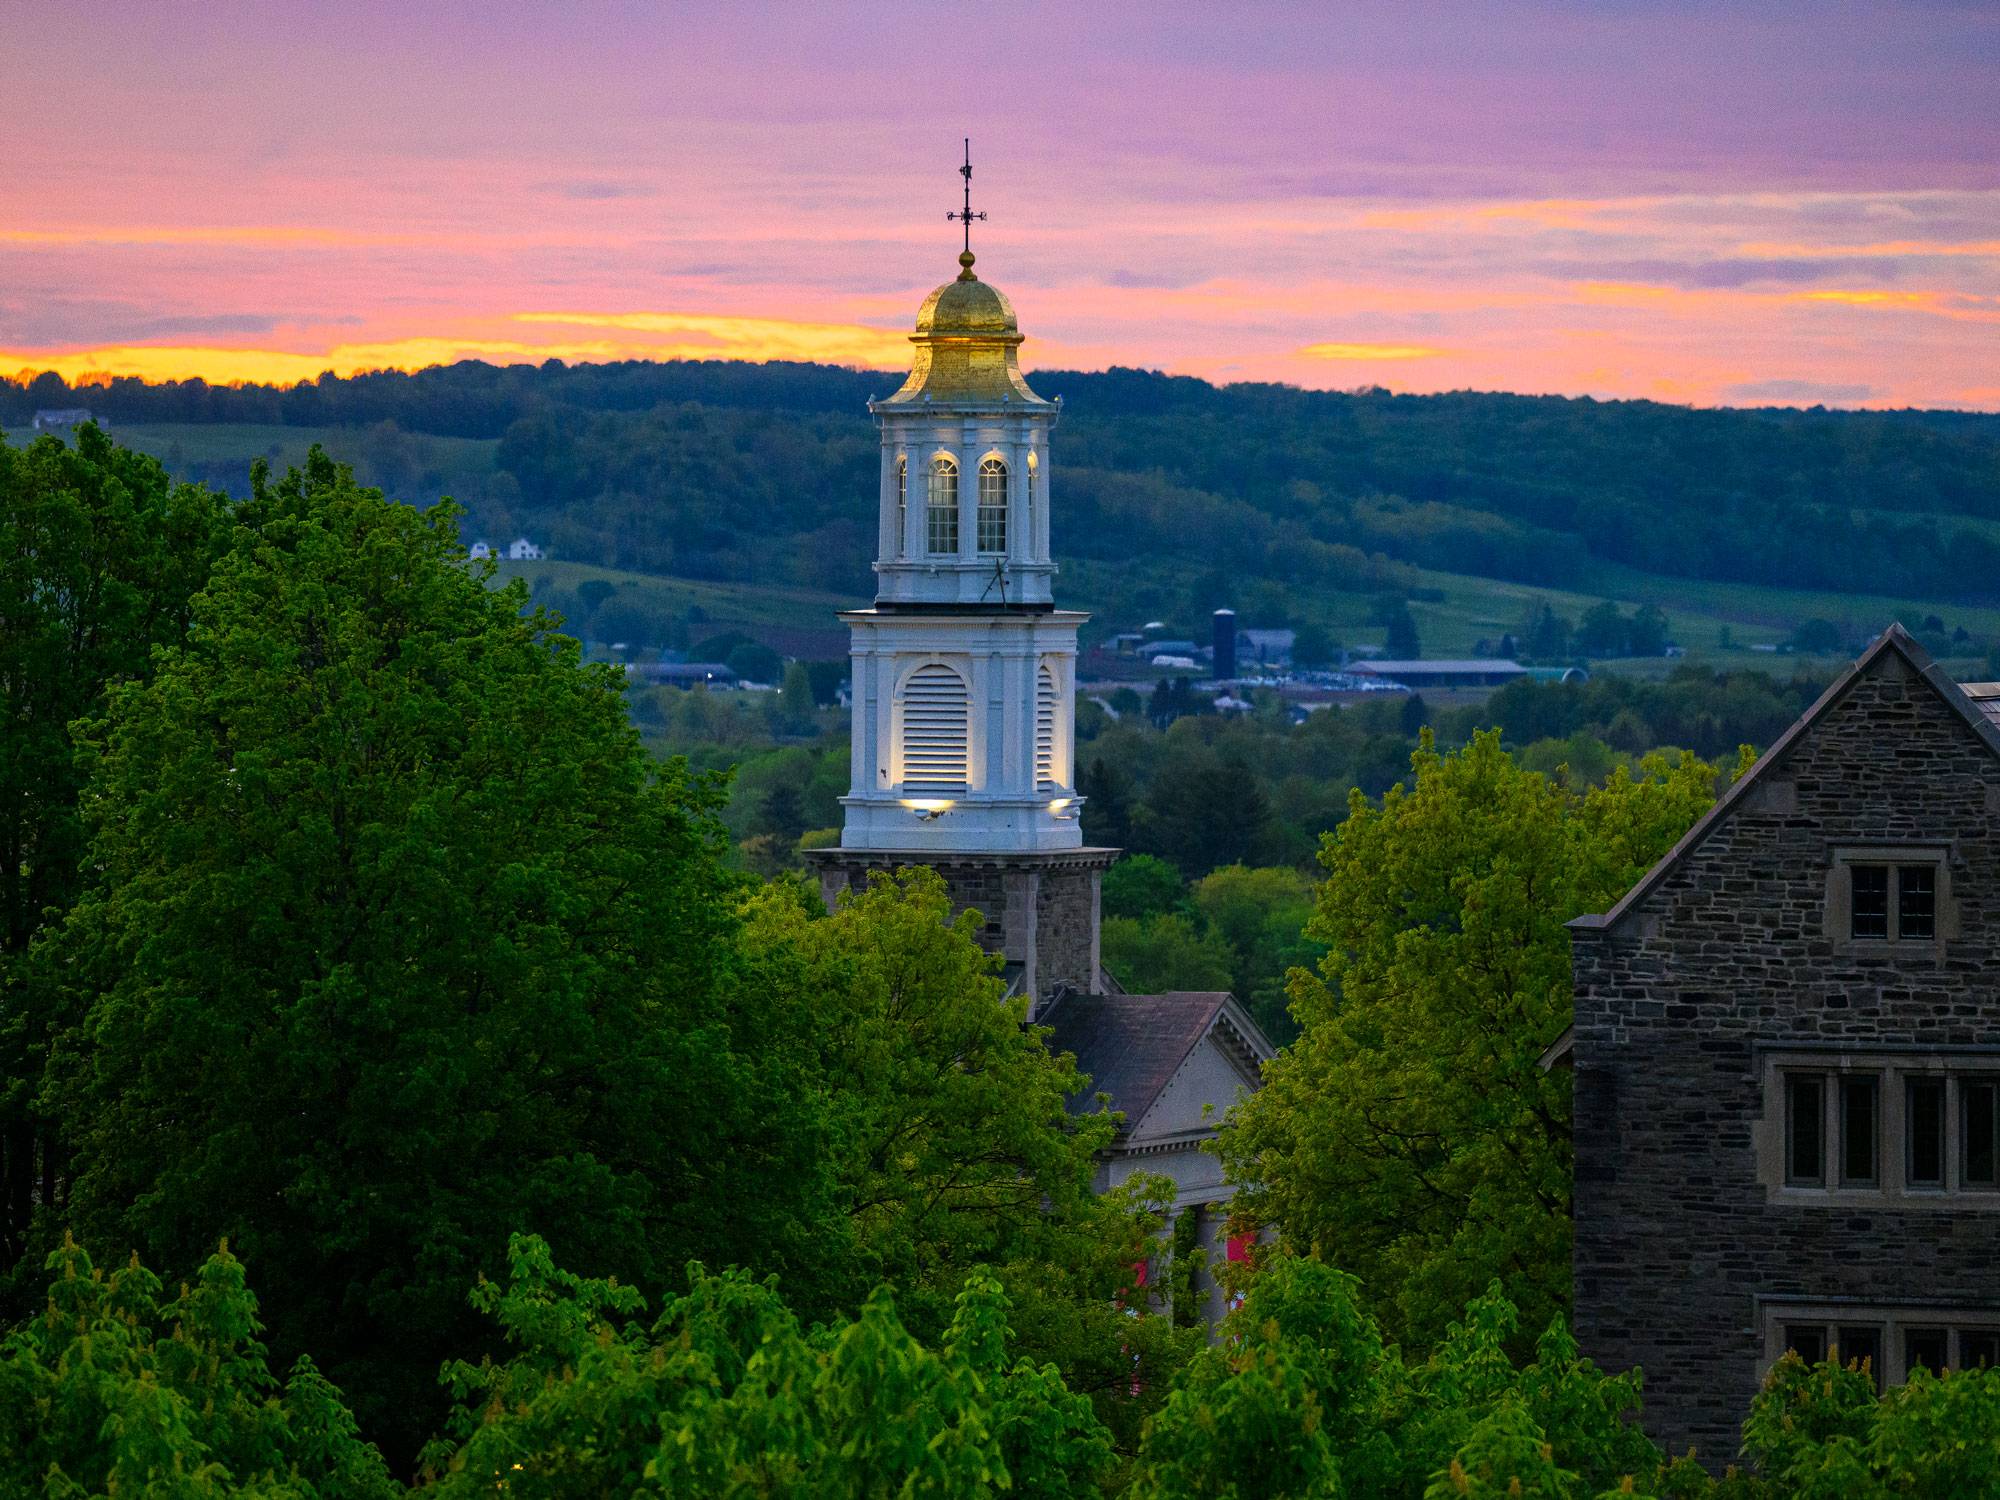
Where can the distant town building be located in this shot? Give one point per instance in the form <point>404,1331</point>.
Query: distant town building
<point>1787,1063</point>
<point>683,674</point>
<point>1468,672</point>
<point>478,550</point>
<point>1269,648</point>
<point>523,550</point>
<point>62,419</point>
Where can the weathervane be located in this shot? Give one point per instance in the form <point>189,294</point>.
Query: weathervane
<point>966,214</point>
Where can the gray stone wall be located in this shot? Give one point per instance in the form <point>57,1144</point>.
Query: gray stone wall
<point>1066,926</point>
<point>1679,1239</point>
<point>1039,910</point>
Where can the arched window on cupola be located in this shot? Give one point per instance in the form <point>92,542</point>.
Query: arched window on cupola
<point>941,507</point>
<point>1048,699</point>
<point>992,506</point>
<point>902,546</point>
<point>934,730</point>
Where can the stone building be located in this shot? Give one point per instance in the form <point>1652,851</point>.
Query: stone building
<point>1787,1063</point>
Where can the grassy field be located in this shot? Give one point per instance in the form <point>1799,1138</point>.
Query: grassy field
<point>722,603</point>
<point>1697,611</point>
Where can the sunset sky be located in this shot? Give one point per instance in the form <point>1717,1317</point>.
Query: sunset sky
<point>1740,203</point>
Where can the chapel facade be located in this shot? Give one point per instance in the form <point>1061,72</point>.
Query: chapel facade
<point>1787,1064</point>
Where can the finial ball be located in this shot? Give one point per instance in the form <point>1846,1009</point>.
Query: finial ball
<point>965,259</point>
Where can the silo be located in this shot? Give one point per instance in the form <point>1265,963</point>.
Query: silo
<point>1225,644</point>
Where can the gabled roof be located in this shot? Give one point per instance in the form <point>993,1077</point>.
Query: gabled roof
<point>1895,639</point>
<point>1133,1045</point>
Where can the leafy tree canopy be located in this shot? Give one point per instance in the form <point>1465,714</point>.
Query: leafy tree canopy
<point>118,1388</point>
<point>1410,1130</point>
<point>397,939</point>
<point>100,555</point>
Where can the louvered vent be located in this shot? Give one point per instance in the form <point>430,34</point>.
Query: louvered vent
<point>934,724</point>
<point>1046,699</point>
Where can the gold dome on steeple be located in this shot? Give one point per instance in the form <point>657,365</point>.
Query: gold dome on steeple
<point>967,339</point>
<point>968,343</point>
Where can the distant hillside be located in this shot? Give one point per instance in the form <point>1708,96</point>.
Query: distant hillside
<point>1191,494</point>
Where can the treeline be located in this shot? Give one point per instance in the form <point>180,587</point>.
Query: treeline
<point>739,471</point>
<point>120,1389</point>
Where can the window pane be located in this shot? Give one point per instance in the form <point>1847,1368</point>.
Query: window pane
<point>1924,1105</point>
<point>1979,1349</point>
<point>1859,1113</point>
<point>941,507</point>
<point>1805,1128</point>
<point>1861,1343</point>
<point>1924,1349</point>
<point>1976,1104</point>
<point>1916,901</point>
<point>992,506</point>
<point>1870,909</point>
<point>1808,1340</point>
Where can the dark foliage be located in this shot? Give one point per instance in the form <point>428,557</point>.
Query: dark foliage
<point>619,465</point>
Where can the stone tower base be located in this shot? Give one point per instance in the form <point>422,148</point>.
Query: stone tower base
<point>1041,908</point>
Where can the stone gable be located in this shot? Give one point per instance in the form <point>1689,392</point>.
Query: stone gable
<point>1734,951</point>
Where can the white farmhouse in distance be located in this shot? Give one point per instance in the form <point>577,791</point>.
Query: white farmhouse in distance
<point>523,550</point>
<point>479,551</point>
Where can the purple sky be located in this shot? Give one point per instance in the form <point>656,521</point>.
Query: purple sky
<point>1700,202</point>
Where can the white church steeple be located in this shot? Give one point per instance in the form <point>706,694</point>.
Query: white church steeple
<point>964,670</point>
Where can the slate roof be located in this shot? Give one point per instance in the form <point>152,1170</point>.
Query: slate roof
<point>1132,1045</point>
<point>1985,697</point>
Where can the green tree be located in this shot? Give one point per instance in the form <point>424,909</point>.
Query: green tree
<point>1205,808</point>
<point>951,1141</point>
<point>99,556</point>
<point>1142,885</point>
<point>397,939</point>
<point>1604,631</point>
<point>1410,1130</point>
<point>1545,635</point>
<point>1107,801</point>
<point>1167,952</point>
<point>118,1389</point>
<point>1647,635</point>
<point>725,1395</point>
<point>1262,914</point>
<point>1392,613</point>
<point>1303,1397</point>
<point>797,713</point>
<point>755,663</point>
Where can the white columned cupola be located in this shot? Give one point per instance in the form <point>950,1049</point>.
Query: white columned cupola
<point>964,670</point>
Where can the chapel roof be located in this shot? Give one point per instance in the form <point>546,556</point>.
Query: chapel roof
<point>968,342</point>
<point>1133,1045</point>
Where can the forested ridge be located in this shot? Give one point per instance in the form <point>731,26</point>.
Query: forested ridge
<point>403,1091</point>
<point>732,471</point>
